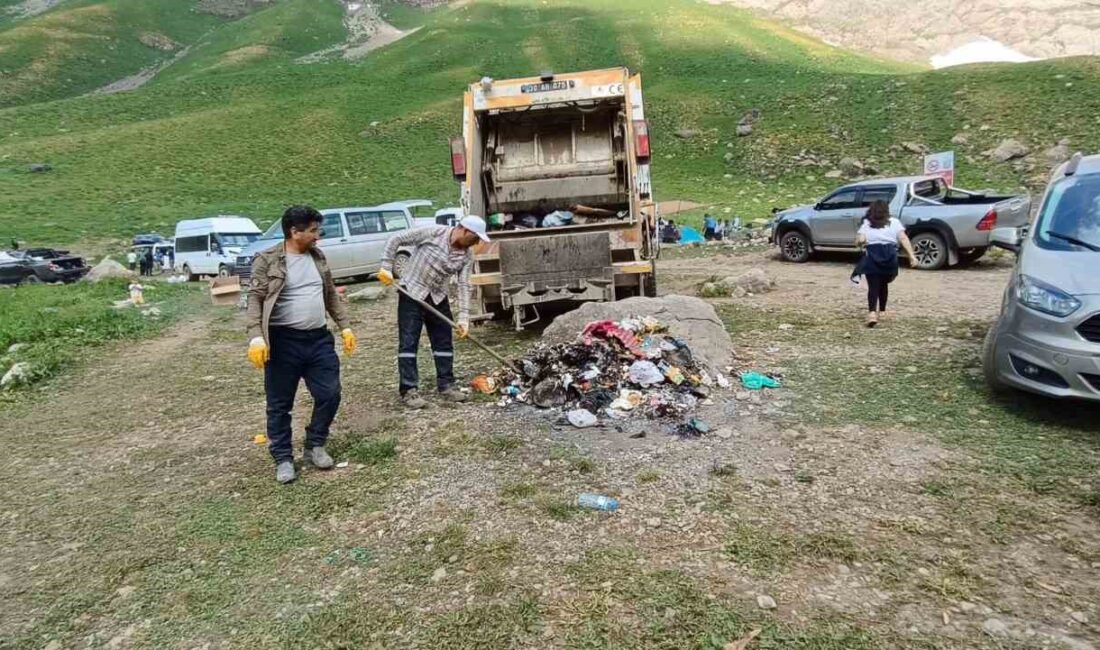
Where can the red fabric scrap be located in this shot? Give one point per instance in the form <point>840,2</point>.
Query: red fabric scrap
<point>609,330</point>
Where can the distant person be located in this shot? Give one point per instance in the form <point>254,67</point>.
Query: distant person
<point>172,259</point>
<point>710,225</point>
<point>132,260</point>
<point>148,258</point>
<point>292,292</point>
<point>670,234</point>
<point>879,236</point>
<point>720,230</point>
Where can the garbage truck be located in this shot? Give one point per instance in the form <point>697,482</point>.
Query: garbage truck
<point>558,165</point>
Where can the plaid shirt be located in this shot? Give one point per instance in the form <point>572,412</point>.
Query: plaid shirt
<point>432,264</point>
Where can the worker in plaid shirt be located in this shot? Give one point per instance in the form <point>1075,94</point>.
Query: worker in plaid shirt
<point>439,252</point>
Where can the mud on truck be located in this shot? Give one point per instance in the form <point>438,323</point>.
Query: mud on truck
<point>559,166</point>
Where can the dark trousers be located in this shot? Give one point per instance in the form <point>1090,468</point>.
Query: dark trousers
<point>878,290</point>
<point>296,355</point>
<point>411,319</point>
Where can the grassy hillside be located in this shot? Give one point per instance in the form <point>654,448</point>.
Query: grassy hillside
<point>237,126</point>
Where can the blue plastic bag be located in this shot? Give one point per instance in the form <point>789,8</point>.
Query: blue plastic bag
<point>756,381</point>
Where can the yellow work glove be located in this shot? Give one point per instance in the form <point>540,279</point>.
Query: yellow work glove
<point>258,353</point>
<point>463,330</point>
<point>351,344</point>
<point>385,277</point>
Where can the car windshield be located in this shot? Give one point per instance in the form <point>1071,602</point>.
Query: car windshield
<point>232,239</point>
<point>275,231</point>
<point>1070,218</point>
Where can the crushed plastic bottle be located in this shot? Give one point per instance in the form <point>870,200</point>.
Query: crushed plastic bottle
<point>597,502</point>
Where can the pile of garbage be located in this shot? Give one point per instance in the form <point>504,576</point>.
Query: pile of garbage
<point>576,214</point>
<point>618,370</point>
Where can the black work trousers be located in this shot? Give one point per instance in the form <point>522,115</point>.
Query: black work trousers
<point>411,320</point>
<point>297,355</point>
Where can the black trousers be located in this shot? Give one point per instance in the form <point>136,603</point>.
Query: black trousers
<point>411,320</point>
<point>297,355</point>
<point>878,291</point>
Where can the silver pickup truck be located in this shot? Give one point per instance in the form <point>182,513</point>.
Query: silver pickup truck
<point>947,225</point>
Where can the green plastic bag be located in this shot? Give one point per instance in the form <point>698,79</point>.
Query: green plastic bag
<point>756,381</point>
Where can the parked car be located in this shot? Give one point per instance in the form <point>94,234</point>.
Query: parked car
<point>1046,339</point>
<point>353,240</point>
<point>51,265</point>
<point>16,270</point>
<point>210,246</point>
<point>947,225</point>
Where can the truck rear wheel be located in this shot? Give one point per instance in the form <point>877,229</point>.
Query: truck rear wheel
<point>931,251</point>
<point>649,284</point>
<point>795,246</point>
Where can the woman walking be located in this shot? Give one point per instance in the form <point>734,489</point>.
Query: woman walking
<point>880,235</point>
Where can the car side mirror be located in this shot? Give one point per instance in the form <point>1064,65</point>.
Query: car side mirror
<point>1009,239</point>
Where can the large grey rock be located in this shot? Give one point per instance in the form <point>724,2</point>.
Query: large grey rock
<point>368,294</point>
<point>108,268</point>
<point>1009,149</point>
<point>754,281</point>
<point>1059,153</point>
<point>688,318</point>
<point>850,166</point>
<point>685,134</point>
<point>20,373</point>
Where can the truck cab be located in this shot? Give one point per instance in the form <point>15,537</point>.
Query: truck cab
<point>559,166</point>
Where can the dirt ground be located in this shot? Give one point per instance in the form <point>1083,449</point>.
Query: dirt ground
<point>880,499</point>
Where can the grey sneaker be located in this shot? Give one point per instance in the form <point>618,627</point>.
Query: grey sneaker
<point>319,458</point>
<point>284,472</point>
<point>412,399</point>
<point>452,394</point>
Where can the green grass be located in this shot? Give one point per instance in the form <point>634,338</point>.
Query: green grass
<point>765,551</point>
<point>236,127</point>
<point>58,325</point>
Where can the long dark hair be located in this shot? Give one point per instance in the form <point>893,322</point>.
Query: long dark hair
<point>878,215</point>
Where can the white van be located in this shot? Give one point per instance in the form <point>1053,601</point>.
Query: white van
<point>210,246</point>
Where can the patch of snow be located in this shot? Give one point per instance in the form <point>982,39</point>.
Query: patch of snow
<point>983,50</point>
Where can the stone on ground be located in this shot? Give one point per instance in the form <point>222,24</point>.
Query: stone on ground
<point>108,268</point>
<point>1009,149</point>
<point>688,318</point>
<point>20,373</point>
<point>368,294</point>
<point>754,281</point>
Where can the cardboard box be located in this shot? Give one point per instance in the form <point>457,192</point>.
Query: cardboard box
<point>226,291</point>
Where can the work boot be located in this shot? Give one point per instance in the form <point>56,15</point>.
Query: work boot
<point>284,472</point>
<point>319,458</point>
<point>412,399</point>
<point>452,394</point>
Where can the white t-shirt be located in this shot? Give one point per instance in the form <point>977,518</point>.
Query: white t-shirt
<point>888,234</point>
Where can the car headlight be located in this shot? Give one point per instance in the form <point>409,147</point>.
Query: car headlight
<point>1045,298</point>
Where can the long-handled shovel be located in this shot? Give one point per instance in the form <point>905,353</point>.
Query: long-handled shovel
<point>507,364</point>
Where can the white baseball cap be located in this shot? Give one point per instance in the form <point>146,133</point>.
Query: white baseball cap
<point>476,225</point>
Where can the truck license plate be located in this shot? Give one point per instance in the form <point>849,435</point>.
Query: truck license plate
<point>547,86</point>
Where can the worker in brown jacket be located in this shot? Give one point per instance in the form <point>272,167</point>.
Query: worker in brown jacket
<point>291,291</point>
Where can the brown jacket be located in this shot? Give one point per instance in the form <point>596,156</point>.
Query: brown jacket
<point>268,278</point>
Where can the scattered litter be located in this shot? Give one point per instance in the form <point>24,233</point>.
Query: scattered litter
<point>645,374</point>
<point>581,418</point>
<point>259,439</point>
<point>786,327</point>
<point>176,279</point>
<point>597,502</point>
<point>631,368</point>
<point>342,464</point>
<point>484,384</point>
<point>756,381</point>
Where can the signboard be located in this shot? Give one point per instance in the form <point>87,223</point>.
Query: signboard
<point>941,164</point>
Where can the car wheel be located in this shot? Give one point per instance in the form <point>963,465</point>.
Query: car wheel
<point>989,363</point>
<point>399,262</point>
<point>968,256</point>
<point>794,246</point>
<point>930,250</point>
<point>191,277</point>
<point>32,279</point>
<point>223,271</point>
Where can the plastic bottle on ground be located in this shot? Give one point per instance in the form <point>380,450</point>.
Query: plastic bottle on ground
<point>597,502</point>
